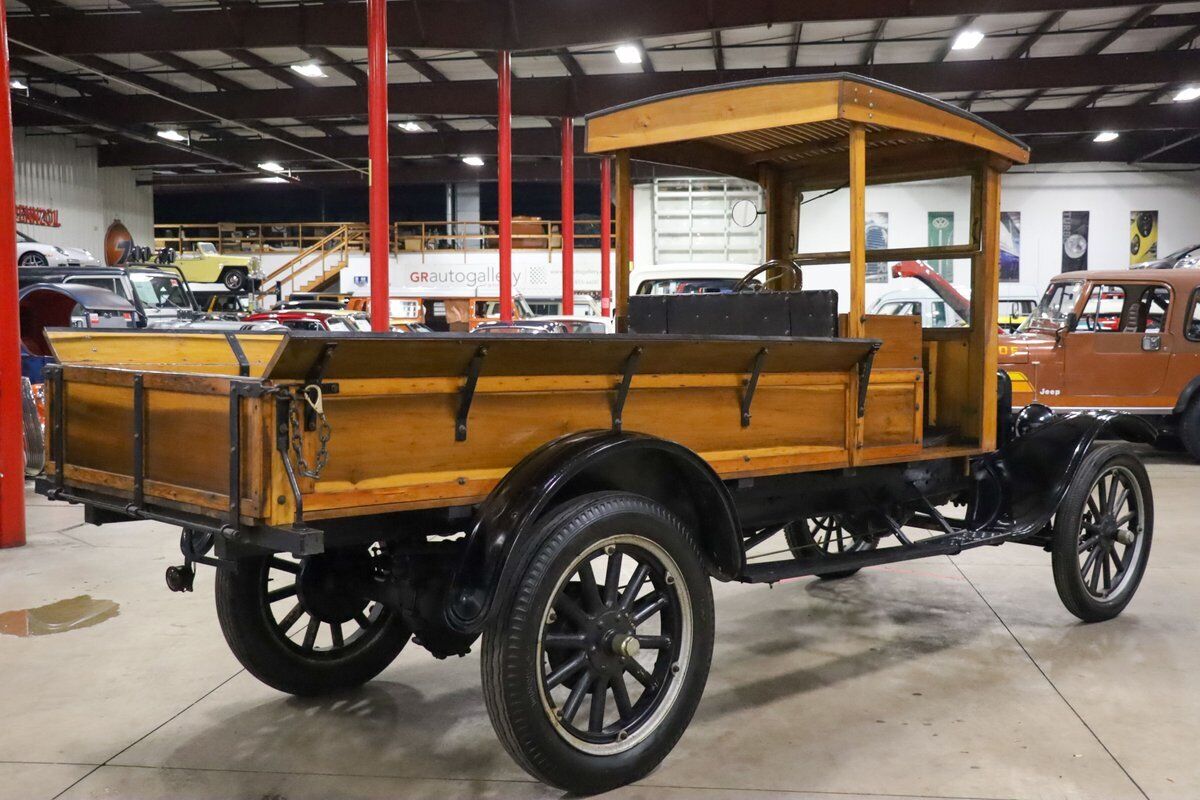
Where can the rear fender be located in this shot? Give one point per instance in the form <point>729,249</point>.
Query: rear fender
<point>503,538</point>
<point>1036,469</point>
<point>1186,396</point>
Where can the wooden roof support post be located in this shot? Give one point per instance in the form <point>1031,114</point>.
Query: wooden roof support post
<point>856,318</point>
<point>624,193</point>
<point>985,291</point>
<point>780,218</point>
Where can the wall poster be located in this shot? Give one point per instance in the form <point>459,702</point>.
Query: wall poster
<point>877,239</point>
<point>1010,246</point>
<point>1074,240</point>
<point>1143,236</point>
<point>941,234</point>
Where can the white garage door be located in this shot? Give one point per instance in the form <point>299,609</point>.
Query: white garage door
<point>691,221</point>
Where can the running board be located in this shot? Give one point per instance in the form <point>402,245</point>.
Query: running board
<point>946,545</point>
<point>773,571</point>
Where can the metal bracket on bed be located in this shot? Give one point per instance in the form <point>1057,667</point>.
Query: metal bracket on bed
<point>283,405</point>
<point>239,354</point>
<point>58,439</point>
<point>139,444</point>
<point>631,363</point>
<point>467,394</point>
<point>751,385</point>
<point>864,377</point>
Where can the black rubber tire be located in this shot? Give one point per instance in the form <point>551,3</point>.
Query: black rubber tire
<point>1189,428</point>
<point>235,279</point>
<point>510,666</point>
<point>32,259</point>
<point>253,637</point>
<point>1065,553</point>
<point>799,534</point>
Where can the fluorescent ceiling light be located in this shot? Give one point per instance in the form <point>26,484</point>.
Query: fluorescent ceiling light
<point>474,161</point>
<point>309,70</point>
<point>967,40</point>
<point>15,83</point>
<point>410,126</point>
<point>628,54</point>
<point>1185,95</point>
<point>172,135</point>
<point>271,179</point>
<point>271,166</point>
<point>1106,136</point>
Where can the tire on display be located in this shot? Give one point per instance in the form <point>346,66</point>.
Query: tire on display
<point>1102,534</point>
<point>298,627</point>
<point>593,666</point>
<point>1189,428</point>
<point>824,536</point>
<point>234,278</point>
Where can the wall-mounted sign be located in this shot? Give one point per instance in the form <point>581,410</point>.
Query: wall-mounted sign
<point>1074,240</point>
<point>118,244</point>
<point>33,215</point>
<point>1143,236</point>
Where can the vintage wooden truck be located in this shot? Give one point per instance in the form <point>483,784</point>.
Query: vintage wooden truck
<point>569,498</point>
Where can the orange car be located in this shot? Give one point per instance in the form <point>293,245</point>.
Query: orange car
<point>1117,339</point>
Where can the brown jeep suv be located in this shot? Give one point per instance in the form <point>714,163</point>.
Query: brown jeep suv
<point>1119,339</point>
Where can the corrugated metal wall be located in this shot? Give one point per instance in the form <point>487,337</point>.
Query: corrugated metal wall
<point>54,172</point>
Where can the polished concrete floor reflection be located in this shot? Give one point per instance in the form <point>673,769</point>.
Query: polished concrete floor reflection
<point>948,678</point>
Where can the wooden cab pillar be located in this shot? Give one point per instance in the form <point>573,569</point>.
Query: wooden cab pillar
<point>781,218</point>
<point>985,294</point>
<point>856,317</point>
<point>624,195</point>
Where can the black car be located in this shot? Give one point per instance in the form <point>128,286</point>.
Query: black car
<point>162,298</point>
<point>1187,257</point>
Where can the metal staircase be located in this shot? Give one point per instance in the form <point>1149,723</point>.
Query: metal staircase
<point>317,266</point>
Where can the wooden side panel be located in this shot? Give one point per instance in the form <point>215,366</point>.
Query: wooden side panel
<point>901,337</point>
<point>187,440</point>
<point>166,351</point>
<point>953,404</point>
<point>400,448</point>
<point>892,425</point>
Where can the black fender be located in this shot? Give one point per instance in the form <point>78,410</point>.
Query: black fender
<point>1186,396</point>
<point>500,544</point>
<point>1035,470</point>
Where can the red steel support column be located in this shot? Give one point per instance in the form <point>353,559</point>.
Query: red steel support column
<point>504,177</point>
<point>12,447</point>
<point>380,242</point>
<point>606,236</point>
<point>568,216</point>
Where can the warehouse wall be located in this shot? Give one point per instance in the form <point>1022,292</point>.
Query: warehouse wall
<point>53,172</point>
<point>1041,196</point>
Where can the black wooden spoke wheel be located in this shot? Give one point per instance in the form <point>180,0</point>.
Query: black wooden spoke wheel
<point>305,626</point>
<point>594,667</point>
<point>823,536</point>
<point>1102,534</point>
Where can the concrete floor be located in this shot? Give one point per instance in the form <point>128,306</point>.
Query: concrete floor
<point>956,678</point>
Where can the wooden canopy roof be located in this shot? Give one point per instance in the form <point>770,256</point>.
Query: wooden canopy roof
<point>799,126</point>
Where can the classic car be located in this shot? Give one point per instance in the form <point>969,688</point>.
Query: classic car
<point>1125,340</point>
<point>32,253</point>
<point>312,320</point>
<point>1184,258</point>
<point>205,264</point>
<point>160,296</point>
<point>566,501</point>
<point>65,305</point>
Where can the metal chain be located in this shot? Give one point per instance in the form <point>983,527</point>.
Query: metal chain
<point>323,434</point>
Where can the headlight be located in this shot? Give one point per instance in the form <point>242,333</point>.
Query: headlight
<point>60,251</point>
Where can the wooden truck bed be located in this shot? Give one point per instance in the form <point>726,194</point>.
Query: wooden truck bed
<point>420,421</point>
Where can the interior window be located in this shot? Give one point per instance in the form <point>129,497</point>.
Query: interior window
<point>108,284</point>
<point>937,315</point>
<point>1192,329</point>
<point>1151,313</point>
<point>1104,309</point>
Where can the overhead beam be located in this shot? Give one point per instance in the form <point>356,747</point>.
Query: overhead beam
<point>868,55</point>
<point>470,24</point>
<point>546,142</point>
<point>557,97</point>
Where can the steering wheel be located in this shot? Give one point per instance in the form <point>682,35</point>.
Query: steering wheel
<point>744,284</point>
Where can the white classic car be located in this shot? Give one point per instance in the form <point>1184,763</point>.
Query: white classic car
<point>32,253</point>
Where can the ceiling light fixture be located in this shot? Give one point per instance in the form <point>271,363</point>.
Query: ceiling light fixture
<point>410,126</point>
<point>1185,95</point>
<point>172,135</point>
<point>1106,136</point>
<point>629,54</point>
<point>967,40</point>
<point>15,83</point>
<point>474,161</point>
<point>312,70</point>
<point>271,166</point>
